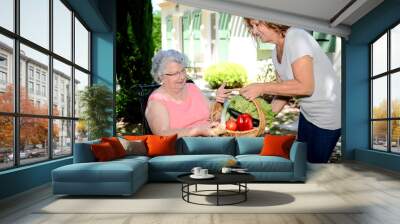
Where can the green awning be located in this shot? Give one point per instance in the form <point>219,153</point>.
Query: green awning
<point>223,25</point>
<point>196,23</point>
<point>326,41</point>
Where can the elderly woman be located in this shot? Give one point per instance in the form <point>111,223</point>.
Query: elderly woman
<point>177,107</point>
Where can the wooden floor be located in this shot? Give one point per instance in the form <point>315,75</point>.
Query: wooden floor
<point>377,188</point>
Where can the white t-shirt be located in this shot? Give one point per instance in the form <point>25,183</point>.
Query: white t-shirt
<point>323,107</point>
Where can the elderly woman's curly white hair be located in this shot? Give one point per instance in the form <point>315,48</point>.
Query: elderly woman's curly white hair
<point>162,58</point>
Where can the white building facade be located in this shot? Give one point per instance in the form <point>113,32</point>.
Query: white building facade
<point>209,37</point>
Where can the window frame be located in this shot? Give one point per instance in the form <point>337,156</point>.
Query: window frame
<point>388,74</point>
<point>16,114</point>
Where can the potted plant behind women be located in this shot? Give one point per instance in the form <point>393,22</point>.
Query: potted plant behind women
<point>96,104</point>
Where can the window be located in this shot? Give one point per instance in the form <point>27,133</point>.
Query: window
<point>7,74</point>
<point>34,22</point>
<point>62,29</point>
<point>63,75</point>
<point>3,61</point>
<point>43,90</point>
<point>3,78</point>
<point>30,72</point>
<point>81,45</point>
<point>3,72</point>
<point>385,94</point>
<point>54,125</point>
<point>7,14</point>
<point>30,87</point>
<point>38,89</point>
<point>37,74</point>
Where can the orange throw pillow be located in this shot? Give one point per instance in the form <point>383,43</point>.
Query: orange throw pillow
<point>277,145</point>
<point>136,137</point>
<point>161,145</point>
<point>103,151</point>
<point>116,145</point>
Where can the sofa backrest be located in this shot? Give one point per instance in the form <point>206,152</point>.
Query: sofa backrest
<point>205,145</point>
<point>247,145</point>
<point>83,153</point>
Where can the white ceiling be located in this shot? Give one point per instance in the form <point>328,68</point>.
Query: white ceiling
<point>328,16</point>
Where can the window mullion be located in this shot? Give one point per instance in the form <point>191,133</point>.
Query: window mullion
<point>389,104</point>
<point>73,82</point>
<point>50,81</point>
<point>16,70</point>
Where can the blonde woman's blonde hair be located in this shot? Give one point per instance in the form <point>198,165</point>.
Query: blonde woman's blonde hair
<point>281,29</point>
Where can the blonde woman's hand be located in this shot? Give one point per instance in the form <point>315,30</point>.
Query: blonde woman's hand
<point>252,91</point>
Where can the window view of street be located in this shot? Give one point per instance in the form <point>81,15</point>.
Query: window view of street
<point>41,131</point>
<point>385,124</point>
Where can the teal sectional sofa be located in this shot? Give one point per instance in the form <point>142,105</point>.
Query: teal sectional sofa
<point>125,176</point>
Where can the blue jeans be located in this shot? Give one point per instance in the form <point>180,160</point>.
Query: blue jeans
<point>320,142</point>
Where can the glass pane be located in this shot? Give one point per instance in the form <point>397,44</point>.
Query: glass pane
<point>395,47</point>
<point>62,89</point>
<point>379,55</point>
<point>81,81</point>
<point>62,138</point>
<point>395,94</point>
<point>62,29</point>
<point>81,45</point>
<point>35,21</point>
<point>379,98</point>
<point>33,139</point>
<point>395,136</point>
<point>7,14</point>
<point>6,142</point>
<point>81,131</point>
<point>6,74</point>
<point>379,135</point>
<point>34,82</point>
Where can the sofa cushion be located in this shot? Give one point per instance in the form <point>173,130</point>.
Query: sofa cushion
<point>206,145</point>
<point>246,145</point>
<point>277,145</point>
<point>134,147</point>
<point>112,171</point>
<point>135,137</point>
<point>257,163</point>
<point>116,145</point>
<point>83,152</point>
<point>103,152</point>
<point>128,159</point>
<point>185,163</point>
<point>161,145</point>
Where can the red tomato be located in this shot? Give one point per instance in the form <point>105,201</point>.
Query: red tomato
<point>244,122</point>
<point>231,125</point>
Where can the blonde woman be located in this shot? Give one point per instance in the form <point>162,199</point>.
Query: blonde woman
<point>306,72</point>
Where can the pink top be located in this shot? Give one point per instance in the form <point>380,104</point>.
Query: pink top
<point>193,111</point>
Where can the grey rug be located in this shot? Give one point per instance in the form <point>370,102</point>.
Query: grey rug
<point>166,198</point>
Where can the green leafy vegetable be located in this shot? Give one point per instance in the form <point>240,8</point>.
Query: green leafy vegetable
<point>242,105</point>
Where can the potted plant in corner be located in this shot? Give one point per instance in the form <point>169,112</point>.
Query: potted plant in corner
<point>96,104</point>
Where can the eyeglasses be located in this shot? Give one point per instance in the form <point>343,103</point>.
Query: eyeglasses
<point>183,72</point>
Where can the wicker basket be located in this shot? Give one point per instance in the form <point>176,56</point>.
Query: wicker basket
<point>256,131</point>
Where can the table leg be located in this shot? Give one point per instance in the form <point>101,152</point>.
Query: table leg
<point>217,194</point>
<point>245,191</point>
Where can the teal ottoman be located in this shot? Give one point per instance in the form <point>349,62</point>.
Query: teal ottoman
<point>118,177</point>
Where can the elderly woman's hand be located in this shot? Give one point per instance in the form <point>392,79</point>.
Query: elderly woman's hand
<point>222,93</point>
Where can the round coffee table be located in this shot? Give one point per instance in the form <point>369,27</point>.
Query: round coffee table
<point>238,179</point>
